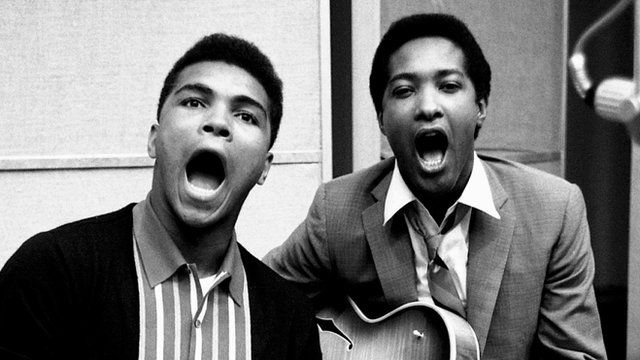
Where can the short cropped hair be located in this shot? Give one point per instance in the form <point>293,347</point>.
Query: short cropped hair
<point>234,51</point>
<point>429,25</point>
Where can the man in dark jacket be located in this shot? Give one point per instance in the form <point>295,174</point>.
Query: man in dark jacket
<point>166,277</point>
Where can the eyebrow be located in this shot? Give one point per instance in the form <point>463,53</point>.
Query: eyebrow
<point>207,91</point>
<point>413,76</point>
<point>244,99</point>
<point>197,87</point>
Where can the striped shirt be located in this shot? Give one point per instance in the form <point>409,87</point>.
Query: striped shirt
<point>181,315</point>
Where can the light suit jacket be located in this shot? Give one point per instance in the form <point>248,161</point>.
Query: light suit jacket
<point>529,274</point>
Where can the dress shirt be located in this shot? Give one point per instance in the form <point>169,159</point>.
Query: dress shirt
<point>454,247</point>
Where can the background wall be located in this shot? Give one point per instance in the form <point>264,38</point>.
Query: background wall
<point>80,82</point>
<point>598,160</point>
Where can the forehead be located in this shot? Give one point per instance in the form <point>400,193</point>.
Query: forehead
<point>427,54</point>
<point>223,79</point>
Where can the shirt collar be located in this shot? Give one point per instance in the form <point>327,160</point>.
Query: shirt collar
<point>232,264</point>
<point>476,194</point>
<point>160,257</point>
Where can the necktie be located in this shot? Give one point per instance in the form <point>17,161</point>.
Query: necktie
<point>441,286</point>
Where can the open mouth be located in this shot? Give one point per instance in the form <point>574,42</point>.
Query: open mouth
<point>431,146</point>
<point>205,170</point>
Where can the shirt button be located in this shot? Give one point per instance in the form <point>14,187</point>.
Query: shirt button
<point>197,323</point>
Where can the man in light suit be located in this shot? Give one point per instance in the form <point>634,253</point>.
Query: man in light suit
<point>515,240</point>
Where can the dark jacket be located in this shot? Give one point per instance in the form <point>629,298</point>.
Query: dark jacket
<point>71,293</point>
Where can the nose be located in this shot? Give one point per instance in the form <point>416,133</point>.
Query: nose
<point>428,107</point>
<point>216,123</point>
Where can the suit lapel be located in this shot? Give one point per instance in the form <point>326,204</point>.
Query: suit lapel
<point>489,243</point>
<point>391,250</point>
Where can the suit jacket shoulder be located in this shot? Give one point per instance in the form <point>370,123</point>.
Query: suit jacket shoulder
<point>516,177</point>
<point>345,198</point>
<point>360,182</point>
<point>535,198</point>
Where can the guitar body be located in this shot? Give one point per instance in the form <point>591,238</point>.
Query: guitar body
<point>413,331</point>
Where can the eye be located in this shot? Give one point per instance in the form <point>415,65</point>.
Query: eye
<point>450,87</point>
<point>402,92</point>
<point>247,117</point>
<point>192,103</point>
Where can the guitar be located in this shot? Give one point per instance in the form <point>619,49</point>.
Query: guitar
<point>416,330</point>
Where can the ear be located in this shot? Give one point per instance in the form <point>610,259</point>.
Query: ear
<point>380,123</point>
<point>151,141</point>
<point>482,113</point>
<point>267,165</point>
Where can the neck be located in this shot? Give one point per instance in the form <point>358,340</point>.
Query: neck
<point>438,204</point>
<point>437,207</point>
<point>205,247</point>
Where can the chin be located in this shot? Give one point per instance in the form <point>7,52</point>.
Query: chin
<point>196,218</point>
<point>435,184</point>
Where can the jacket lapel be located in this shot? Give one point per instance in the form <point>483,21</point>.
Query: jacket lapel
<point>391,250</point>
<point>259,314</point>
<point>489,243</point>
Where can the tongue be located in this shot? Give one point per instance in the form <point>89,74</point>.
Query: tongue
<point>204,180</point>
<point>432,157</point>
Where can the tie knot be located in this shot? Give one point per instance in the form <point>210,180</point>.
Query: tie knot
<point>433,242</point>
<point>427,230</point>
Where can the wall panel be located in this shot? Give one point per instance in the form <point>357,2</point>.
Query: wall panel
<point>34,201</point>
<point>80,81</point>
